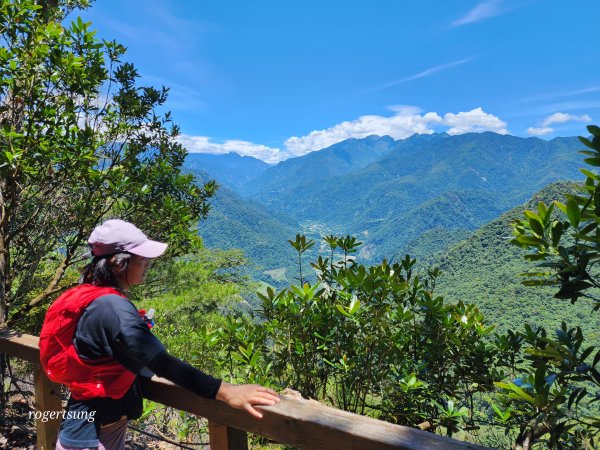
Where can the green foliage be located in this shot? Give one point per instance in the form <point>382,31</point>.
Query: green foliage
<point>373,340</point>
<point>553,401</point>
<point>301,245</point>
<point>195,298</point>
<point>80,140</point>
<point>550,402</point>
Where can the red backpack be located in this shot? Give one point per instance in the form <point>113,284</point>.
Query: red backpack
<point>86,379</point>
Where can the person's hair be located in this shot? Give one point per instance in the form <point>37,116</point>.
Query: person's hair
<point>102,270</point>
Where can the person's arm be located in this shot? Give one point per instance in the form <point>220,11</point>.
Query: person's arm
<point>184,375</point>
<point>244,396</point>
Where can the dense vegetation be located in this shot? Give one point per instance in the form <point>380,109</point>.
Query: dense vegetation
<point>494,283</point>
<point>261,234</point>
<point>379,340</point>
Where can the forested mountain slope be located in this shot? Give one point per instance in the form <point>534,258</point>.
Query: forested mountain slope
<point>234,222</point>
<point>421,168</point>
<point>450,211</point>
<point>484,269</point>
<point>419,195</point>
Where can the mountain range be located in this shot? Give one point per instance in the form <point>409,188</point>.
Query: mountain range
<point>396,196</point>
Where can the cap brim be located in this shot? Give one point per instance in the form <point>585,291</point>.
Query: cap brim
<point>149,249</point>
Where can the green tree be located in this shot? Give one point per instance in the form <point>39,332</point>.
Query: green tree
<point>568,245</point>
<point>553,402</point>
<point>80,140</point>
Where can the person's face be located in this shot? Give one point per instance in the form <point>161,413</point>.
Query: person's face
<point>136,270</point>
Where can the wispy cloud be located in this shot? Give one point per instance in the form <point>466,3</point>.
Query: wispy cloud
<point>577,106</point>
<point>422,74</point>
<point>557,117</point>
<point>174,32</point>
<point>563,117</point>
<point>556,95</point>
<point>174,42</point>
<point>484,10</point>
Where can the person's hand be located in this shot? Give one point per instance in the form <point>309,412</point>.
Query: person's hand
<point>245,396</point>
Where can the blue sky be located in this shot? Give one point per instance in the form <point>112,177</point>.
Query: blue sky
<point>276,79</point>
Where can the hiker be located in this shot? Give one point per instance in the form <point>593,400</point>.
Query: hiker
<point>95,342</point>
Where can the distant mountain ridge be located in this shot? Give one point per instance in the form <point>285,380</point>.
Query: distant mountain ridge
<point>416,169</point>
<point>229,169</point>
<point>339,159</point>
<point>414,174</point>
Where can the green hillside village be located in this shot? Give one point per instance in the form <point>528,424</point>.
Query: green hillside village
<point>440,281</point>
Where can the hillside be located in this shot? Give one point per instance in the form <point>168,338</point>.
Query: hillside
<point>237,223</point>
<point>452,211</point>
<point>483,269</point>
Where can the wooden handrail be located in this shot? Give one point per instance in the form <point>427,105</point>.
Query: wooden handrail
<point>305,424</point>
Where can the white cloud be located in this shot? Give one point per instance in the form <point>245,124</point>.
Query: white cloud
<point>483,10</point>
<point>406,121</point>
<point>474,121</point>
<point>557,117</point>
<point>539,131</point>
<point>202,144</point>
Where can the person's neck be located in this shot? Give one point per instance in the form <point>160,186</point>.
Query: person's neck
<point>122,283</point>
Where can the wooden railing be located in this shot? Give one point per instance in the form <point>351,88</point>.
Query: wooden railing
<point>304,424</point>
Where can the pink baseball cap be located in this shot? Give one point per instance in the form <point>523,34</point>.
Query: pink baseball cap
<point>117,236</point>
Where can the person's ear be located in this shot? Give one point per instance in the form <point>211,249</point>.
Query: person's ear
<point>119,265</point>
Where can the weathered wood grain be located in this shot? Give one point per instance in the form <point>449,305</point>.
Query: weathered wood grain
<point>47,399</point>
<point>223,437</point>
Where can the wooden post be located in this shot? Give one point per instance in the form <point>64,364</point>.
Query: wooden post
<point>223,437</point>
<point>47,400</point>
